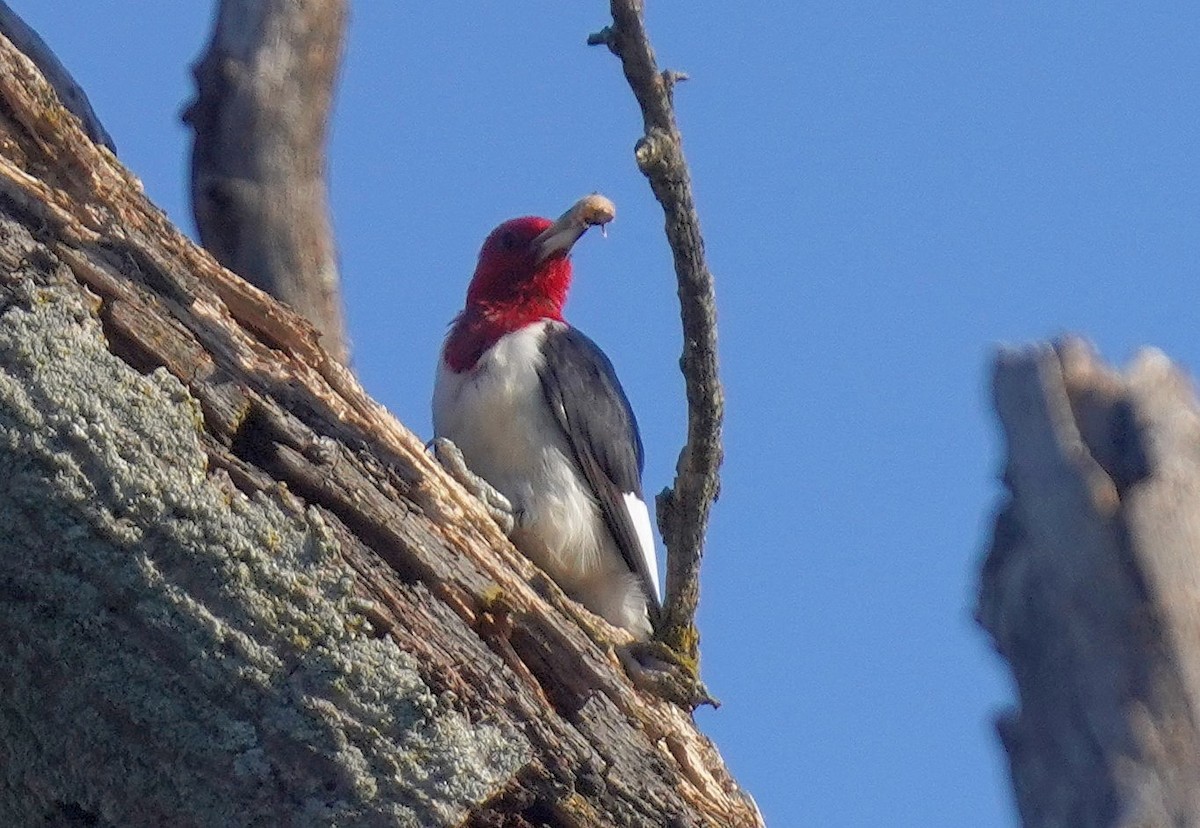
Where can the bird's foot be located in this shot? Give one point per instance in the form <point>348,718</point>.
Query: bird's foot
<point>496,504</point>
<point>658,669</point>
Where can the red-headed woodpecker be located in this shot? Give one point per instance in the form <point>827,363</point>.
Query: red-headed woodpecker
<point>537,412</point>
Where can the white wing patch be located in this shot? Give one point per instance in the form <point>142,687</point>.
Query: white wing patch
<point>639,515</point>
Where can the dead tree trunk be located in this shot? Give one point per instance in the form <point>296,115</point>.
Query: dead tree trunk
<point>264,89</point>
<point>234,591</point>
<point>1091,588</point>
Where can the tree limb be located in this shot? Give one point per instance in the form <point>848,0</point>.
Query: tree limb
<point>683,510</point>
<point>69,92</point>
<point>235,591</point>
<point>1089,589</point>
<point>264,89</point>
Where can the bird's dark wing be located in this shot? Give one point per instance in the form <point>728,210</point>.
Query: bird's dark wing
<point>590,405</point>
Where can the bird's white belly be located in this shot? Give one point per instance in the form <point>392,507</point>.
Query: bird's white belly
<point>498,417</point>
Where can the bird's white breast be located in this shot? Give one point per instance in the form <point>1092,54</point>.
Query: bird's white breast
<point>498,416</point>
<point>496,412</point>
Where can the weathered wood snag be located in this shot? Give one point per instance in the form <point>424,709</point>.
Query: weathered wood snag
<point>234,591</point>
<point>1092,585</point>
<point>264,89</point>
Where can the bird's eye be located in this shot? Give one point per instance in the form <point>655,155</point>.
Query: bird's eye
<point>509,241</point>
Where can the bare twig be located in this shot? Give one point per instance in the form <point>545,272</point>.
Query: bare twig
<point>69,92</point>
<point>683,509</point>
<point>264,92</point>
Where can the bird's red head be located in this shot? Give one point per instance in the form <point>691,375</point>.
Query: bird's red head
<point>523,275</point>
<point>520,274</point>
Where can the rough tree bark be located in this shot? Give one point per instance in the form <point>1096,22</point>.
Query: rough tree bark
<point>264,89</point>
<point>1091,585</point>
<point>234,591</point>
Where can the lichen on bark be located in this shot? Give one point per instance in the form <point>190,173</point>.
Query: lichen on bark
<point>129,562</point>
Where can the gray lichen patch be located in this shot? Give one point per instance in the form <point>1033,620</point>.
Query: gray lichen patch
<point>172,652</point>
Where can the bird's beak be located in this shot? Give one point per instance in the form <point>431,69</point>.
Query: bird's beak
<point>560,236</point>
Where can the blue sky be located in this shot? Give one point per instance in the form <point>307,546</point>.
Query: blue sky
<point>887,191</point>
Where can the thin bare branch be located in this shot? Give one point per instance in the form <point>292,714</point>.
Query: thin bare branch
<point>683,510</point>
